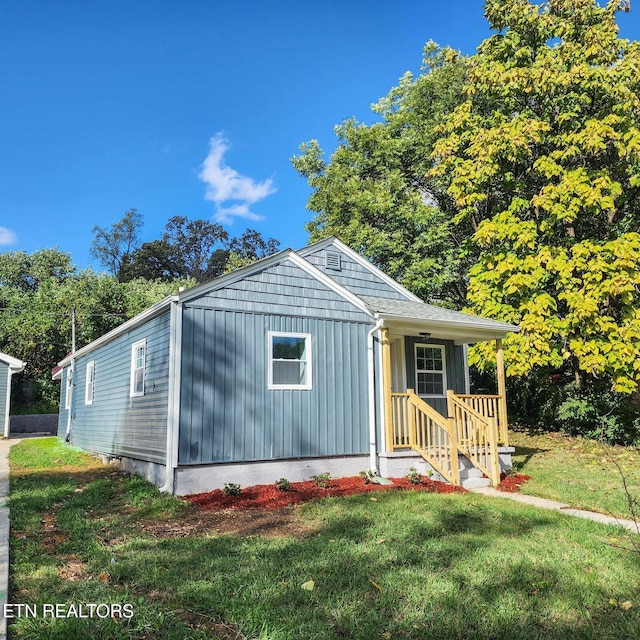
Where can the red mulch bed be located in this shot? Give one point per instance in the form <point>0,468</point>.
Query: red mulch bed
<point>512,482</point>
<point>268,496</point>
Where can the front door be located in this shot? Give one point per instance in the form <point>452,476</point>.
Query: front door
<point>433,366</point>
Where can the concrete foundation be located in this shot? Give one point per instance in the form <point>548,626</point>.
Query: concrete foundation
<point>398,463</point>
<point>151,471</point>
<point>203,478</point>
<point>199,479</point>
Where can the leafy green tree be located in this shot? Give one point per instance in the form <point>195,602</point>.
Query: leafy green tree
<point>251,244</point>
<point>542,160</point>
<point>25,272</point>
<point>155,260</point>
<point>113,248</point>
<point>35,318</point>
<point>248,248</point>
<point>373,193</point>
<point>195,249</point>
<point>184,251</point>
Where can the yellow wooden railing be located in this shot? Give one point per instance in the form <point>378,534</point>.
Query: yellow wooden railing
<point>489,406</point>
<point>471,429</point>
<point>477,436</point>
<point>420,427</point>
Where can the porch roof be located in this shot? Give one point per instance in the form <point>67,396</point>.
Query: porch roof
<point>439,322</point>
<point>14,364</point>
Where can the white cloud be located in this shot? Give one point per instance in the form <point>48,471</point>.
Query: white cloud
<point>7,236</point>
<point>226,185</point>
<point>227,214</point>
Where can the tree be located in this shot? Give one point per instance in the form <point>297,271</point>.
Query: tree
<point>194,241</point>
<point>25,272</point>
<point>184,251</point>
<point>35,323</point>
<point>195,249</point>
<point>113,248</point>
<point>374,194</point>
<point>542,160</point>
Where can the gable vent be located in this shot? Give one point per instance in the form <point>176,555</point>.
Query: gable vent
<point>333,261</point>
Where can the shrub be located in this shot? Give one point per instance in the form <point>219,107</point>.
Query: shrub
<point>232,489</point>
<point>367,475</point>
<point>413,476</point>
<point>550,400</point>
<point>322,479</point>
<point>594,411</point>
<point>283,484</point>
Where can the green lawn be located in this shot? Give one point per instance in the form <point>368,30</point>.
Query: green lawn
<point>583,473</point>
<point>402,565</point>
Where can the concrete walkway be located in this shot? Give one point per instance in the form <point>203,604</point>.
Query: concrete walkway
<point>558,506</point>
<point>5,445</point>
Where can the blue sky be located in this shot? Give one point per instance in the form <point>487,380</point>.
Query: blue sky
<point>192,107</point>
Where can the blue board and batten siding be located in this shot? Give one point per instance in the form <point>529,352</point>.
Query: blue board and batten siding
<point>228,413</point>
<point>117,424</point>
<point>4,382</point>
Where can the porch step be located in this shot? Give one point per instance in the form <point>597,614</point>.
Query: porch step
<point>470,476</point>
<point>475,483</point>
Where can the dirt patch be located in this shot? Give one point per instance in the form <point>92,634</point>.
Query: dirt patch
<point>214,629</point>
<point>73,569</point>
<point>240,522</point>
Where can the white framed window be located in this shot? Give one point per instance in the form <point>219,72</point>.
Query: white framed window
<point>67,391</point>
<point>431,374</point>
<point>90,382</point>
<point>138,362</point>
<point>289,360</point>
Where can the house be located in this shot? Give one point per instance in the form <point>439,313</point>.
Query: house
<point>304,362</point>
<point>8,366</point>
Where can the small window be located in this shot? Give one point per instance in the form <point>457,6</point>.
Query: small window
<point>289,360</point>
<point>430,371</point>
<point>138,361</point>
<point>67,392</point>
<point>90,382</point>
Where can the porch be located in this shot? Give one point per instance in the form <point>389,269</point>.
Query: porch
<point>448,428</point>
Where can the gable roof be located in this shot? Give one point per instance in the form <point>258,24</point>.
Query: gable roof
<point>14,364</point>
<point>219,283</point>
<point>440,322</point>
<point>336,243</point>
<point>412,312</point>
<point>265,263</point>
<point>132,323</point>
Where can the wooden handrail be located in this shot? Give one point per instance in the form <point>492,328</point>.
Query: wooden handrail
<point>439,440</point>
<point>468,408</point>
<point>427,409</point>
<point>490,406</point>
<point>478,436</point>
<point>420,427</point>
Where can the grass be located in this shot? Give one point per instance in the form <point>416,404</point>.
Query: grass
<point>399,565</point>
<point>582,473</point>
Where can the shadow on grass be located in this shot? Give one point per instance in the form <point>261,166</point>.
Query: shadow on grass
<point>527,453</point>
<point>431,577</point>
<point>406,566</point>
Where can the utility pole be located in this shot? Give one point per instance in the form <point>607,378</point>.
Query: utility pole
<point>71,383</point>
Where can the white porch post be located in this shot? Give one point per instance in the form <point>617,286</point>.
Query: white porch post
<point>8,404</point>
